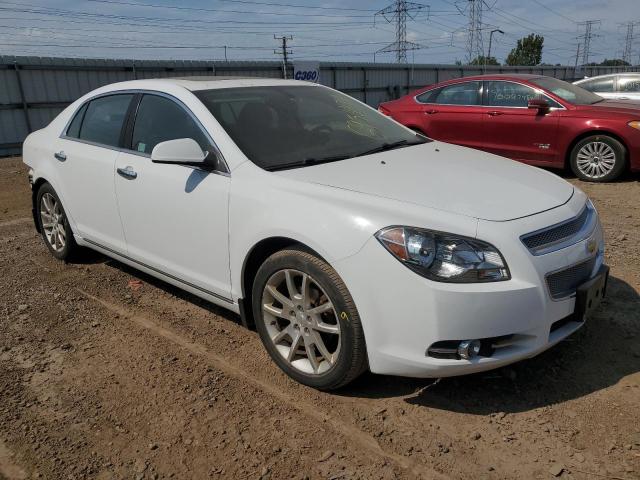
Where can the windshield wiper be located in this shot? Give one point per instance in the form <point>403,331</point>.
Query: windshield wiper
<point>389,146</point>
<point>307,162</point>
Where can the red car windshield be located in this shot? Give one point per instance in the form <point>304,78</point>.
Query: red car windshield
<point>567,91</point>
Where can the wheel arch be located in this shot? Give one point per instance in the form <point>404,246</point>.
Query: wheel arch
<point>252,262</point>
<point>588,133</point>
<point>37,184</point>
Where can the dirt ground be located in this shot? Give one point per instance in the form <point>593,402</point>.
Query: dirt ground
<point>102,377</point>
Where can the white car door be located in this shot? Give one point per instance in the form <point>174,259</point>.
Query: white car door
<point>629,87</point>
<point>175,217</point>
<point>86,154</point>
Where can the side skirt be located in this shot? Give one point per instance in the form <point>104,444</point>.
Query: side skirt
<point>207,295</point>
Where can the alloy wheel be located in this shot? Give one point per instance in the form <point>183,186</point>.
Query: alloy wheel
<point>301,321</point>
<point>596,159</point>
<point>53,222</point>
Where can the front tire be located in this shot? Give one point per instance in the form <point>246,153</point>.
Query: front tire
<point>308,321</point>
<point>598,158</point>
<point>54,225</point>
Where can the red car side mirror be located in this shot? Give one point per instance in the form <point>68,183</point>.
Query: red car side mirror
<point>539,104</point>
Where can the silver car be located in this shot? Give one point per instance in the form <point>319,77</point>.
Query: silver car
<point>621,86</point>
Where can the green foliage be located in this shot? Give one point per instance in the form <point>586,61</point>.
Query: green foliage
<point>481,59</point>
<point>614,62</point>
<point>528,51</point>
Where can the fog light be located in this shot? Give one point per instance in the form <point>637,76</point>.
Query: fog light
<point>467,349</point>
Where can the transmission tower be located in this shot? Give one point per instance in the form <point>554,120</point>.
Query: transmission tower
<point>628,45</point>
<point>586,37</point>
<point>473,10</point>
<point>397,13</point>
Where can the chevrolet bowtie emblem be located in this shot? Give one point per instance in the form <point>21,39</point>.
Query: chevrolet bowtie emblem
<point>592,245</point>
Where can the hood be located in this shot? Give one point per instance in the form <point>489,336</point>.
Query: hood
<point>445,177</point>
<point>624,107</point>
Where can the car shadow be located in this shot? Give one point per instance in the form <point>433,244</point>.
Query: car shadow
<point>92,257</point>
<point>598,356</point>
<point>567,174</point>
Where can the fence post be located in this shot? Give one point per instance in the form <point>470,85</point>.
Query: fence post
<point>25,107</point>
<point>364,84</point>
<point>408,80</point>
<point>133,68</point>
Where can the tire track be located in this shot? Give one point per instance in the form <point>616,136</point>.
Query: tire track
<point>16,221</point>
<point>8,468</point>
<point>350,431</point>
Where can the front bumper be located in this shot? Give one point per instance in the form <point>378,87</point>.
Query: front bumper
<point>403,314</point>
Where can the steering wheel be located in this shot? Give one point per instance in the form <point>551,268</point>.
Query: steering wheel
<point>322,129</point>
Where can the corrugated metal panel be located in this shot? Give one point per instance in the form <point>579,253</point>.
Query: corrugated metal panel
<point>50,83</point>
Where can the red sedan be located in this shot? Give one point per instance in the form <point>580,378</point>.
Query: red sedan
<point>535,119</point>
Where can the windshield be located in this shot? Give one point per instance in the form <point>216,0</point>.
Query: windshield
<point>290,126</point>
<point>567,91</point>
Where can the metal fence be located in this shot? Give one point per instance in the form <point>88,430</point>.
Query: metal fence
<point>33,90</point>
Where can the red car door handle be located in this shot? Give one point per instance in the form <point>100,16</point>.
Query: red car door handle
<point>494,113</point>
<point>431,112</point>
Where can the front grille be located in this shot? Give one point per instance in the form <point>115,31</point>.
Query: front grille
<point>539,241</point>
<point>564,283</point>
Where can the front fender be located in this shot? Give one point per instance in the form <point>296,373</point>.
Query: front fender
<point>334,222</point>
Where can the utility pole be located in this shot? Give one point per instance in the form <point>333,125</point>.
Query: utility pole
<point>496,30</point>
<point>398,12</point>
<point>586,37</point>
<point>284,51</point>
<point>575,67</point>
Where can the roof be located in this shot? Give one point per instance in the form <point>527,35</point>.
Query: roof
<point>502,76</point>
<point>210,82</point>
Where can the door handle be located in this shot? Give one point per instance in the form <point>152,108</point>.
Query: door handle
<point>60,156</point>
<point>494,113</point>
<point>431,112</point>
<point>127,172</point>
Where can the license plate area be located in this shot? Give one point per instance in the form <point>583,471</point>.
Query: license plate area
<point>590,294</point>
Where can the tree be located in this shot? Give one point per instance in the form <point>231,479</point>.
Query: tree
<point>480,60</point>
<point>614,62</point>
<point>528,51</point>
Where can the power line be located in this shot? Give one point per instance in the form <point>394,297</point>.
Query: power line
<point>554,11</point>
<point>215,10</point>
<point>398,12</point>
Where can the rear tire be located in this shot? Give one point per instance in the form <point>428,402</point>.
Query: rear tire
<point>598,158</point>
<point>54,225</point>
<point>307,320</point>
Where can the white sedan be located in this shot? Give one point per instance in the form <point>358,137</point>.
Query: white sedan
<point>616,86</point>
<point>347,240</point>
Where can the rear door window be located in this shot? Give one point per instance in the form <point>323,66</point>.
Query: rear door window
<point>104,118</point>
<point>604,85</point>
<point>465,93</point>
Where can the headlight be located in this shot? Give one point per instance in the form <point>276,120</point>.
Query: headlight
<point>444,257</point>
<point>634,124</point>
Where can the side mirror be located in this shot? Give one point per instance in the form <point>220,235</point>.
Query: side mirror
<point>538,104</point>
<point>185,151</point>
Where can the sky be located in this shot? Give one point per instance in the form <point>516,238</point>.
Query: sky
<point>329,30</point>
